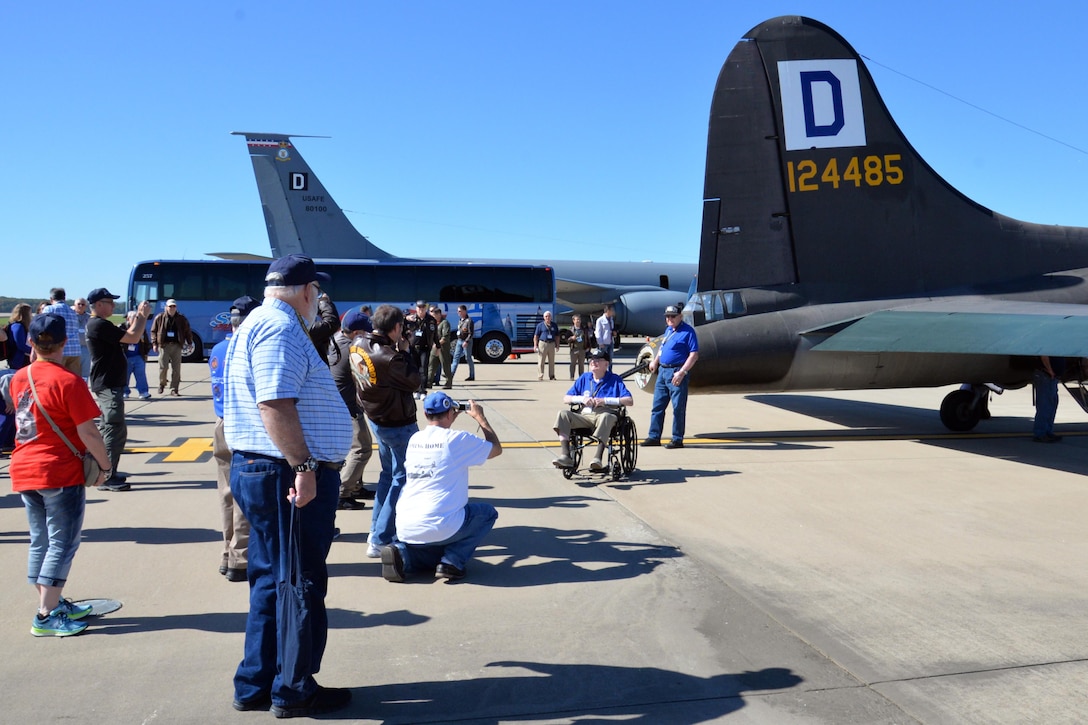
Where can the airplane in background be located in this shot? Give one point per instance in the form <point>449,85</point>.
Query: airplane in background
<point>302,218</point>
<point>832,257</point>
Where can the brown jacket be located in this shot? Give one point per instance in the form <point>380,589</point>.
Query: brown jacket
<point>184,333</point>
<point>385,379</point>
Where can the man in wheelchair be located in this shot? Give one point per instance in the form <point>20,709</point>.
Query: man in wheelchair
<point>599,393</point>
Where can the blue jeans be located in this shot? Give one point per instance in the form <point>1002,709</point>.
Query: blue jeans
<point>1046,403</point>
<point>259,485</point>
<point>462,351</point>
<point>56,522</point>
<point>456,550</point>
<point>664,393</point>
<point>137,367</point>
<point>392,447</point>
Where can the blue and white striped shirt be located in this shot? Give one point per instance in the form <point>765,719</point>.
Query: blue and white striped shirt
<point>271,357</point>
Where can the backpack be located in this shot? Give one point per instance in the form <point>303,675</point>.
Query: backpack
<point>9,346</point>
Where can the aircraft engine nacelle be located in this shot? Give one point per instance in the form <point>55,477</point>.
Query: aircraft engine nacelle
<point>643,313</point>
<point>745,354</point>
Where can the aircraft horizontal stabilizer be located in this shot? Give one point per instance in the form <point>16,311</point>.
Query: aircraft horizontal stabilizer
<point>1062,332</point>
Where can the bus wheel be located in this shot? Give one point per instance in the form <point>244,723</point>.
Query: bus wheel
<point>194,355</point>
<point>493,347</point>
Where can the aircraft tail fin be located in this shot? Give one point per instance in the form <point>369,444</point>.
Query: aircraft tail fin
<point>300,214</point>
<point>809,181</point>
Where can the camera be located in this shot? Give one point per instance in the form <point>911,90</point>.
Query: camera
<point>461,406</point>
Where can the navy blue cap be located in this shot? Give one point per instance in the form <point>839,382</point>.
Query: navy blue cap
<point>354,320</point>
<point>101,293</point>
<point>294,269</point>
<point>47,329</point>
<point>243,306</point>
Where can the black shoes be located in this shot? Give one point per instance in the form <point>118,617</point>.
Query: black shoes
<point>675,444</point>
<point>392,564</point>
<point>1048,438</point>
<point>326,699</point>
<point>236,575</point>
<point>261,703</point>
<point>350,504</point>
<point>448,571</point>
<point>114,484</point>
<point>469,380</point>
<point>650,443</point>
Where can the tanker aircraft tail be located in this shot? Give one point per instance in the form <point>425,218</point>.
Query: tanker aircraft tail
<point>832,257</point>
<point>302,218</point>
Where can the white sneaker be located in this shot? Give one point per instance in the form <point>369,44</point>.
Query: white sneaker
<point>373,551</point>
<point>597,466</point>
<point>563,462</point>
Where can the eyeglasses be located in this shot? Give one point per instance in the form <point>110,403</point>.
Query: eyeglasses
<point>669,317</point>
<point>316,287</point>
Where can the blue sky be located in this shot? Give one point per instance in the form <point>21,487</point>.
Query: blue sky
<point>544,130</point>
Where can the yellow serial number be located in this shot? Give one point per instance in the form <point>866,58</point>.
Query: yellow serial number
<point>869,170</point>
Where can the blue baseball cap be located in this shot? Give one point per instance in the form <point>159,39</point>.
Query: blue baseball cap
<point>294,269</point>
<point>243,306</point>
<point>437,403</point>
<point>47,329</point>
<point>355,320</point>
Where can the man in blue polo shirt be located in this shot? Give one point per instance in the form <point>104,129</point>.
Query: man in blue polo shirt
<point>601,393</point>
<point>289,431</point>
<point>674,360</point>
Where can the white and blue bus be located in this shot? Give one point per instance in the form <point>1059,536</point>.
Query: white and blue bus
<point>505,301</point>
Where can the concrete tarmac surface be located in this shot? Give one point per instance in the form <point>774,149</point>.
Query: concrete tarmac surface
<point>806,558</point>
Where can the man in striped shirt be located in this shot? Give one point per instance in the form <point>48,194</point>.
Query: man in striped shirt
<point>289,431</point>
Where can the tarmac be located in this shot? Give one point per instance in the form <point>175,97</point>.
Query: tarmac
<point>806,558</point>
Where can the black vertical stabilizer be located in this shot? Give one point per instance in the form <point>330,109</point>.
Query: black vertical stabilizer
<point>810,183</point>
<point>301,216</point>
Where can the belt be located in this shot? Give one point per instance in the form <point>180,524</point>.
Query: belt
<point>331,465</point>
<point>670,366</point>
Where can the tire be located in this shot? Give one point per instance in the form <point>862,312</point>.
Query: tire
<point>494,347</point>
<point>958,412</point>
<point>196,354</point>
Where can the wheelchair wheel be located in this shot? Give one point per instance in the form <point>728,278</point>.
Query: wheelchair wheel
<point>628,446</point>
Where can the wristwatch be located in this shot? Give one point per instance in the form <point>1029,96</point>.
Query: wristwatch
<point>308,465</point>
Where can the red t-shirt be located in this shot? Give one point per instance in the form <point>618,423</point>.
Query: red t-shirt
<point>41,459</point>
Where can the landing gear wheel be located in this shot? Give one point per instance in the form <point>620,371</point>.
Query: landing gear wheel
<point>959,411</point>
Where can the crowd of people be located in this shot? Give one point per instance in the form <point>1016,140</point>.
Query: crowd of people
<point>301,396</point>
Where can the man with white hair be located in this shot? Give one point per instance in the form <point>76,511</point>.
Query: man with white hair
<point>289,431</point>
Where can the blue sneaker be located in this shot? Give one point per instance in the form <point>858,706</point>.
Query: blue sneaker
<point>73,610</point>
<point>56,624</point>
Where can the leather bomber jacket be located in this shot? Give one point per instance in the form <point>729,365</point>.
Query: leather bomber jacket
<point>385,379</point>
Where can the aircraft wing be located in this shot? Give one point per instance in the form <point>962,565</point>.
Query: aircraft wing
<point>966,326</point>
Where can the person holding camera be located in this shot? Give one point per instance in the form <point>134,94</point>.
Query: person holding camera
<point>600,392</point>
<point>438,529</point>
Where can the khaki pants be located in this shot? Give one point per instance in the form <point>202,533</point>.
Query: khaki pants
<point>235,526</point>
<point>170,357</point>
<point>546,351</point>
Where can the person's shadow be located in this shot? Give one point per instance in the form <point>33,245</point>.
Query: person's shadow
<point>586,694</point>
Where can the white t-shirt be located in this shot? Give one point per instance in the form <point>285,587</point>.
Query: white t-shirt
<point>431,507</point>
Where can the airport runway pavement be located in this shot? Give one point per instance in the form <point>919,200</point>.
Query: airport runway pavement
<point>807,558</point>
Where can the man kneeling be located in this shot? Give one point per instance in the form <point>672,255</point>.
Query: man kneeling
<point>601,394</point>
<point>437,528</point>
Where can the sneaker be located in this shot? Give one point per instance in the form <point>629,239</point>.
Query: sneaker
<point>445,570</point>
<point>56,624</point>
<point>675,444</point>
<point>114,484</point>
<point>650,443</point>
<point>145,396</point>
<point>324,700</point>
<point>175,393</point>
<point>563,462</point>
<point>373,551</point>
<point>392,564</point>
<point>73,610</point>
<point>596,465</point>
<point>160,391</point>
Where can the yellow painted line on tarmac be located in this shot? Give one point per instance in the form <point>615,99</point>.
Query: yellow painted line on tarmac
<point>199,450</point>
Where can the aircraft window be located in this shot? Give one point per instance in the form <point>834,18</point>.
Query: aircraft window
<point>734,303</point>
<point>712,306</point>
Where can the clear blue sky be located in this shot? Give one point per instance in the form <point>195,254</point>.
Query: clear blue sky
<point>545,130</point>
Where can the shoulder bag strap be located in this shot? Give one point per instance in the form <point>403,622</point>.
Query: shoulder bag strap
<point>41,408</point>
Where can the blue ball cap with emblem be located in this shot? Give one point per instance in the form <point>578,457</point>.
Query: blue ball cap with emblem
<point>47,329</point>
<point>437,403</point>
<point>294,269</point>
<point>101,293</point>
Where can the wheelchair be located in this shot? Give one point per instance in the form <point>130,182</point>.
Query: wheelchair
<point>621,452</point>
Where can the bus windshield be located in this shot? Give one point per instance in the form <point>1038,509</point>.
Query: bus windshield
<point>505,301</point>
